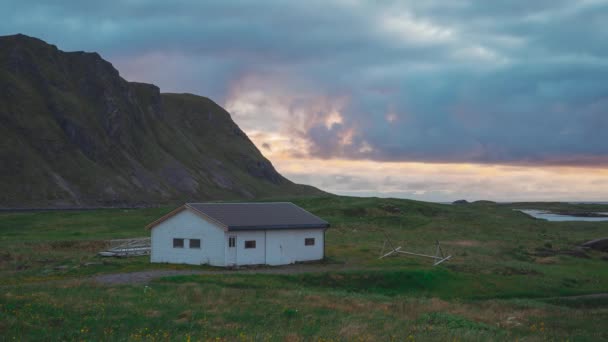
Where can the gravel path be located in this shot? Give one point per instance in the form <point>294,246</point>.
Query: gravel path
<point>143,277</point>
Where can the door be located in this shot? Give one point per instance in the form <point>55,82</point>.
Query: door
<point>231,254</point>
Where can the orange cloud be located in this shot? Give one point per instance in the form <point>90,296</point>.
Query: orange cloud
<point>448,182</point>
<point>279,119</point>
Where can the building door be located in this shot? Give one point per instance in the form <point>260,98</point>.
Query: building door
<point>231,256</point>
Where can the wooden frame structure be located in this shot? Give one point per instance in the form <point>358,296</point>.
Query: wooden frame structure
<point>438,258</point>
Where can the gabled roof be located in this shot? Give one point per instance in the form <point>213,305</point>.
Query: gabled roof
<point>253,216</point>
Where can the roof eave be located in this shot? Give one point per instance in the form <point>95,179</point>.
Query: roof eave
<point>166,216</point>
<point>182,208</point>
<point>279,227</point>
<point>207,217</point>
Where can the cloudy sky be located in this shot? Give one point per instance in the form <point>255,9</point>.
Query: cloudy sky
<point>434,100</point>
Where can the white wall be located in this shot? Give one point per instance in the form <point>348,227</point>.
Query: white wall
<point>273,247</point>
<point>249,256</point>
<point>187,225</point>
<point>286,246</point>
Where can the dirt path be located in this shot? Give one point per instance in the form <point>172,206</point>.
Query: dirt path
<point>587,296</point>
<point>143,277</point>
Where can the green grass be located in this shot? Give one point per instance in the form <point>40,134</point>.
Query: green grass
<point>496,287</point>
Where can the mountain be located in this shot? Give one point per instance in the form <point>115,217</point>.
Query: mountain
<point>74,133</point>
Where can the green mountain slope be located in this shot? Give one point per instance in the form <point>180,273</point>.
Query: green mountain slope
<point>74,133</point>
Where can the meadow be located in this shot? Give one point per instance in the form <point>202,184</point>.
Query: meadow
<point>511,278</point>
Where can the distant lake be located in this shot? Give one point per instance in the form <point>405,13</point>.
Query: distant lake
<point>549,216</point>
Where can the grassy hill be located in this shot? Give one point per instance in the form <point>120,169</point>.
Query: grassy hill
<point>512,277</point>
<point>74,133</point>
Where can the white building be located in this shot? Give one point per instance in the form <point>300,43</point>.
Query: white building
<point>234,234</point>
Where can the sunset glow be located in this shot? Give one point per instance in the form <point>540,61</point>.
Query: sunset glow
<point>429,100</point>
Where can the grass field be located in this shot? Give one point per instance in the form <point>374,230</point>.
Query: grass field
<point>512,277</point>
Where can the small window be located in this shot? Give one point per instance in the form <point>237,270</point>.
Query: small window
<point>178,243</point>
<point>309,242</point>
<point>231,241</point>
<point>195,243</point>
<point>250,244</point>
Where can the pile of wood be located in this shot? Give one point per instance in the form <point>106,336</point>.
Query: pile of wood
<point>127,247</point>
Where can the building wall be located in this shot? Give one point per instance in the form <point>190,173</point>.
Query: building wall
<point>249,256</point>
<point>187,225</point>
<point>286,246</point>
<point>273,247</point>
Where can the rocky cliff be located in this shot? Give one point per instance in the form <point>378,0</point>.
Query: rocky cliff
<point>74,133</point>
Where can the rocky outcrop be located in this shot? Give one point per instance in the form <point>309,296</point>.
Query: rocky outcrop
<point>74,133</point>
<point>597,244</point>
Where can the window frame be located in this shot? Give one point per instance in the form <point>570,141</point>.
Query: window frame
<point>231,241</point>
<point>176,240</point>
<point>190,244</point>
<point>307,241</point>
<point>250,244</point>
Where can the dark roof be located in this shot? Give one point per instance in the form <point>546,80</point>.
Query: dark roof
<point>250,216</point>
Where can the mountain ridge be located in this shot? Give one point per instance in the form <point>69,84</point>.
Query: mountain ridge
<point>75,133</point>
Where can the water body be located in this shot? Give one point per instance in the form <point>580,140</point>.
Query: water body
<point>549,216</point>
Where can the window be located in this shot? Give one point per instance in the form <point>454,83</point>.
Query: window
<point>231,241</point>
<point>309,242</point>
<point>250,244</point>
<point>178,243</point>
<point>195,243</point>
